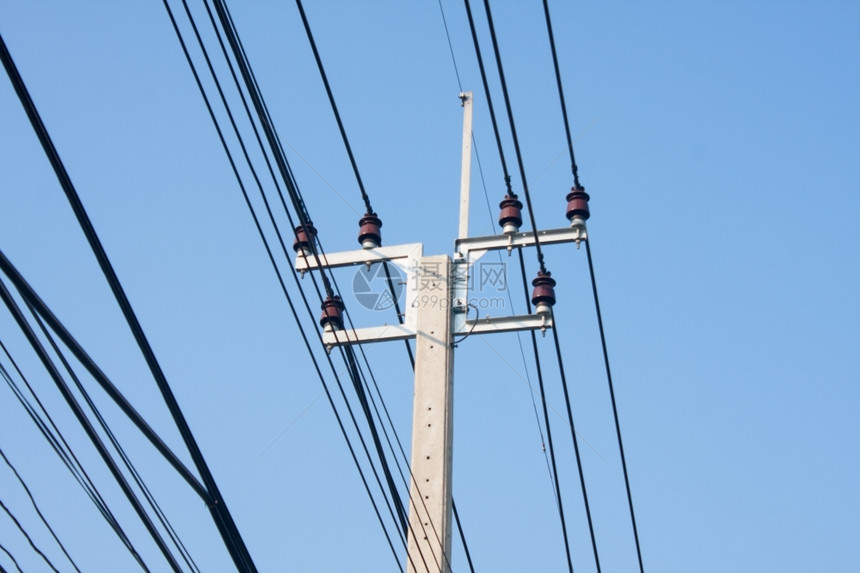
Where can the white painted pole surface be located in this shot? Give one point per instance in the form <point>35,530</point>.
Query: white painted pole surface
<point>429,535</point>
<point>466,171</point>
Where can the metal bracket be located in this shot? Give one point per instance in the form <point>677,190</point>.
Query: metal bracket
<point>487,325</point>
<point>473,248</point>
<point>395,254</point>
<point>383,333</point>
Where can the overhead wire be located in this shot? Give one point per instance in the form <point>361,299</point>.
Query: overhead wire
<point>539,370</point>
<point>138,479</point>
<point>253,90</point>
<point>576,183</point>
<point>32,299</point>
<point>12,557</point>
<point>266,122</point>
<point>490,213</point>
<point>61,447</point>
<point>85,423</point>
<point>491,216</point>
<point>614,405</point>
<point>573,166</point>
<point>366,200</point>
<point>293,310</point>
<point>27,536</point>
<point>514,137</point>
<point>542,269</point>
<point>217,506</point>
<point>364,195</point>
<point>347,353</point>
<point>39,511</point>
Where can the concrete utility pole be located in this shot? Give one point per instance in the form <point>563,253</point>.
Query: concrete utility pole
<point>437,310</point>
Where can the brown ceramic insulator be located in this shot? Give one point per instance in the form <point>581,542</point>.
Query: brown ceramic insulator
<point>511,212</point>
<point>332,313</point>
<point>577,204</point>
<point>304,238</point>
<point>369,226</point>
<point>543,292</point>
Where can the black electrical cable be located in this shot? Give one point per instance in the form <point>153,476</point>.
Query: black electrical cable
<point>365,406</point>
<point>450,46</point>
<point>412,482</point>
<point>147,493</point>
<point>573,166</point>
<point>283,285</point>
<point>65,453</point>
<point>296,200</point>
<point>268,130</point>
<point>38,511</point>
<point>248,160</point>
<point>217,505</point>
<point>575,442</point>
<point>248,73</point>
<point>489,210</point>
<point>27,535</point>
<point>514,134</point>
<point>540,259</point>
<point>14,561</point>
<point>576,183</point>
<point>32,299</point>
<point>614,406</point>
<point>490,213</point>
<point>543,401</point>
<point>489,98</point>
<point>85,424</point>
<point>364,196</point>
<point>369,209</point>
<point>553,471</point>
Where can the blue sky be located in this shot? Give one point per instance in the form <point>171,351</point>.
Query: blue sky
<point>719,142</point>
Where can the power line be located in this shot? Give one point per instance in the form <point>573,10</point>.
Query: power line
<point>328,91</point>
<point>539,370</point>
<point>575,442</point>
<point>491,216</point>
<point>68,458</point>
<point>217,505</point>
<point>85,424</point>
<point>14,561</point>
<point>278,274</point>
<point>577,186</point>
<point>573,166</point>
<point>369,214</point>
<point>612,397</point>
<point>348,353</point>
<point>450,46</point>
<point>559,503</point>
<point>27,535</point>
<point>32,299</point>
<point>159,513</point>
<point>292,188</point>
<point>513,128</point>
<point>38,511</point>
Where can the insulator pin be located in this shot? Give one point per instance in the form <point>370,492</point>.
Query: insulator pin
<point>543,296</point>
<point>511,217</point>
<point>305,235</point>
<point>332,314</point>
<point>369,234</point>
<point>577,207</point>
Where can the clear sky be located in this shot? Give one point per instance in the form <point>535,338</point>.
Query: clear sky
<point>720,143</point>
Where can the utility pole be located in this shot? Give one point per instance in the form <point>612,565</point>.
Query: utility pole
<point>437,311</point>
